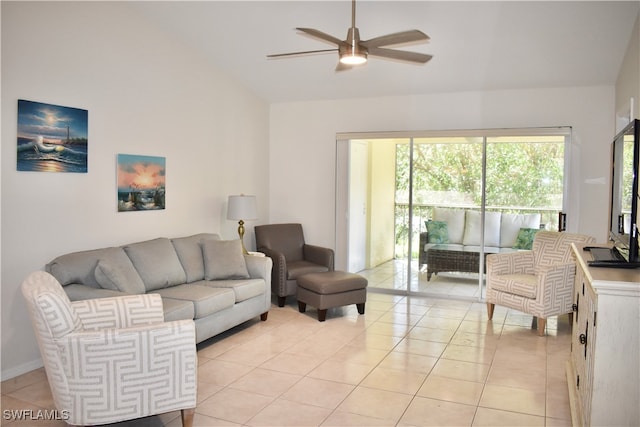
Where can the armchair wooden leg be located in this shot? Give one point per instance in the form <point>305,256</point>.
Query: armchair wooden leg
<point>281,301</point>
<point>541,325</point>
<point>187,417</point>
<point>490,307</point>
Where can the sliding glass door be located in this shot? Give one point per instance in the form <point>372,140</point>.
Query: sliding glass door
<point>483,185</point>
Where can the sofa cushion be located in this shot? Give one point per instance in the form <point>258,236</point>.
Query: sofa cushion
<point>437,232</point>
<point>525,238</point>
<point>189,250</point>
<point>206,300</point>
<point>157,263</point>
<point>176,309</point>
<point>117,277</point>
<point>473,228</point>
<point>510,225</point>
<point>243,288</point>
<point>455,222</point>
<point>223,259</point>
<point>79,267</point>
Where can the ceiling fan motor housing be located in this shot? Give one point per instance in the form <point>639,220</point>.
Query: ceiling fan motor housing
<point>351,52</point>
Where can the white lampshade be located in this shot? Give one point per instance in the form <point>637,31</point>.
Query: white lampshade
<point>242,208</point>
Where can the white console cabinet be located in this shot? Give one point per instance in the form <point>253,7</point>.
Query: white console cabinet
<point>603,372</point>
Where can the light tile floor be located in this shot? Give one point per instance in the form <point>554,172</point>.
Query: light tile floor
<point>408,361</point>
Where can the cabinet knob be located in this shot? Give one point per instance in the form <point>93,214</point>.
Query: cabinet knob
<point>583,339</point>
<point>574,307</point>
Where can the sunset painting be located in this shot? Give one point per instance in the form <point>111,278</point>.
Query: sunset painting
<point>51,138</point>
<point>141,183</point>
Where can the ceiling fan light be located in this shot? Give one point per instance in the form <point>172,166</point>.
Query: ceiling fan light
<point>353,58</point>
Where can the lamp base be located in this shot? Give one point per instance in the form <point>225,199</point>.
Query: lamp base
<point>241,234</point>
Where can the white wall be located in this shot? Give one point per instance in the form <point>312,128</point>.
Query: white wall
<point>628,82</point>
<point>146,94</point>
<point>303,147</point>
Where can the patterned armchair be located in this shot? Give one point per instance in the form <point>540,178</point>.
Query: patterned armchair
<point>112,359</point>
<point>538,282</point>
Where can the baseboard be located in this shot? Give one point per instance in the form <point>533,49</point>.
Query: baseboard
<point>21,369</point>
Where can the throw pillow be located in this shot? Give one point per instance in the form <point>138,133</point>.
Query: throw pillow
<point>223,259</point>
<point>110,276</point>
<point>455,222</point>
<point>524,240</point>
<point>437,232</point>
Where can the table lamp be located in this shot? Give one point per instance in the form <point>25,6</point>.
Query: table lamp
<point>242,208</point>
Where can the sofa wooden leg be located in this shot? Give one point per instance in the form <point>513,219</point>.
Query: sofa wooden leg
<point>541,325</point>
<point>322,315</point>
<point>187,417</point>
<point>281,301</point>
<point>264,315</point>
<point>302,306</point>
<point>360,308</point>
<point>490,307</point>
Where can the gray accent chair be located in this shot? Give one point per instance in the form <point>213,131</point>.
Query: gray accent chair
<point>291,256</point>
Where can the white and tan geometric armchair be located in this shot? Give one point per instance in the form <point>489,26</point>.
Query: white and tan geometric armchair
<point>112,359</point>
<point>538,282</point>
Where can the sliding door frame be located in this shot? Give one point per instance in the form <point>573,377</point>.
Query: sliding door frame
<point>342,179</point>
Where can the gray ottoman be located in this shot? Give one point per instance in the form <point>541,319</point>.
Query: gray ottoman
<point>331,289</point>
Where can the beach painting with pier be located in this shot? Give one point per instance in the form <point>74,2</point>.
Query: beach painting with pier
<point>141,182</point>
<point>51,138</point>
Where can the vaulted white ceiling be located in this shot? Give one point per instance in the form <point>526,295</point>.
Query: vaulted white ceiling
<point>476,45</point>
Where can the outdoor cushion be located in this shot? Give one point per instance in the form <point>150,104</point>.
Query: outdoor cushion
<point>473,228</point>
<point>525,238</point>
<point>510,225</point>
<point>438,232</point>
<point>455,222</point>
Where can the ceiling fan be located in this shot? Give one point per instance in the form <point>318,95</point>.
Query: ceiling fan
<point>353,51</point>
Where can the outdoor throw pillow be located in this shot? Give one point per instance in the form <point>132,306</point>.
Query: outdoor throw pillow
<point>223,259</point>
<point>438,232</point>
<point>524,240</point>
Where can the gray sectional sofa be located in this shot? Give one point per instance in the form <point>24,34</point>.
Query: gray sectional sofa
<point>199,277</point>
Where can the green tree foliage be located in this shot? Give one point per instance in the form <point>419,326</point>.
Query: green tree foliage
<point>522,176</point>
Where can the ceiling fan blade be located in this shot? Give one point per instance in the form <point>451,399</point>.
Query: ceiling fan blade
<point>305,52</point>
<point>396,38</point>
<point>401,55</point>
<point>322,36</point>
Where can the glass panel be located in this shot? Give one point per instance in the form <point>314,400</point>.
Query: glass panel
<point>407,181</point>
<point>525,183</point>
<point>447,174</point>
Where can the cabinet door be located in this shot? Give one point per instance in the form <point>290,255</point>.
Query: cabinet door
<point>582,342</point>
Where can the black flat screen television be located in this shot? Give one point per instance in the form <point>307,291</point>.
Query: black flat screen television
<point>623,226</point>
